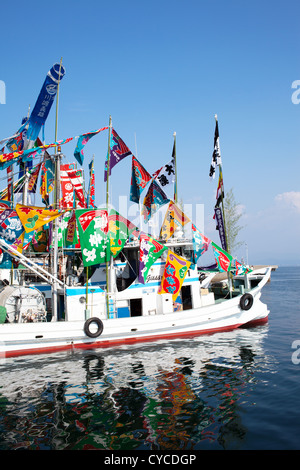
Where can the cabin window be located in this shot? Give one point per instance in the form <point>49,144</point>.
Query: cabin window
<point>130,272</point>
<point>186,296</point>
<point>135,307</point>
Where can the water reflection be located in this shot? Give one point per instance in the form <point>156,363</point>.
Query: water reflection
<point>178,395</point>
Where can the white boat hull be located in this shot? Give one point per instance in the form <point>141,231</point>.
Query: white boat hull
<point>46,337</point>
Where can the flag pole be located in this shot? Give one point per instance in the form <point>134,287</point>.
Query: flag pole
<point>107,262</point>
<point>174,155</point>
<point>56,206</point>
<point>222,189</point>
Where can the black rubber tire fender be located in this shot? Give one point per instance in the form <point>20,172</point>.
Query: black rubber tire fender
<point>87,325</point>
<point>246,301</point>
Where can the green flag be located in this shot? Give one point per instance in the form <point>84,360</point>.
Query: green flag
<point>92,228</point>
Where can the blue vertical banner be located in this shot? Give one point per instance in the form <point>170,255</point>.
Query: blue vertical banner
<point>44,101</point>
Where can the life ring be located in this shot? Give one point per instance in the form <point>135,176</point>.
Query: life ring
<point>93,334</point>
<point>246,301</point>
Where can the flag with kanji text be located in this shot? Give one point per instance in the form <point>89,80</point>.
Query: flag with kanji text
<point>92,229</point>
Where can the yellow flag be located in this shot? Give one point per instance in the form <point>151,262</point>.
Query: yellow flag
<point>175,271</point>
<point>174,219</point>
<point>33,217</point>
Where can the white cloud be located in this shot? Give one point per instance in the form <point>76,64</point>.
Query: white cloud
<point>289,199</point>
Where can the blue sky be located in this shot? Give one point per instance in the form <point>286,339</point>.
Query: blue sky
<point>164,66</point>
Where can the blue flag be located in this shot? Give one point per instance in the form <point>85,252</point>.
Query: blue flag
<point>44,101</point>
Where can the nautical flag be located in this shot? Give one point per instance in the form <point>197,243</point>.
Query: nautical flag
<point>238,268</point>
<point>76,178</point>
<point>10,182</point>
<point>72,187</point>
<point>216,156</point>
<point>47,179</point>
<point>10,225</point>
<point>220,189</point>
<point>175,271</point>
<point>91,193</point>
<point>6,158</point>
<point>23,241</point>
<point>200,243</point>
<point>32,181</point>
<point>92,228</point>
<point>154,199</point>
<point>118,151</point>
<point>139,179</point>
<point>33,217</point>
<point>82,141</point>
<point>220,227</point>
<point>10,140</point>
<point>150,251</point>
<point>166,174</point>
<point>40,239</point>
<point>68,231</point>
<point>18,141</point>
<point>44,101</point>
<point>67,188</point>
<point>223,259</point>
<point>119,230</point>
<point>174,219</point>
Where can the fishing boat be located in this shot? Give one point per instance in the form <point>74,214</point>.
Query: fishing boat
<point>132,287</point>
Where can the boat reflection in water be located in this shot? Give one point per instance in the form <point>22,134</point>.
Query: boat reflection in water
<point>169,395</point>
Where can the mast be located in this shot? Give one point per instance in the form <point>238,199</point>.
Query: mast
<point>222,191</point>
<point>174,156</point>
<point>107,262</point>
<point>56,206</point>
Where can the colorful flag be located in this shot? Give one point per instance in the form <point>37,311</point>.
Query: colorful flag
<point>44,101</point>
<point>175,271</point>
<point>18,141</point>
<point>82,141</point>
<point>7,158</point>
<point>239,269</point>
<point>220,227</point>
<point>223,259</point>
<point>67,188</point>
<point>174,219</point>
<point>76,177</point>
<point>92,228</point>
<point>32,181</point>
<point>10,182</point>
<point>220,189</point>
<point>119,230</point>
<point>47,179</point>
<point>118,151</point>
<point>154,199</point>
<point>200,243</point>
<point>68,231</point>
<point>40,239</point>
<point>216,156</point>
<point>23,241</point>
<point>10,225</point>
<point>139,179</point>
<point>166,175</point>
<point>91,193</point>
<point>150,251</point>
<point>33,217</point>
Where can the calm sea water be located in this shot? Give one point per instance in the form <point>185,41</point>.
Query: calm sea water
<point>237,390</point>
